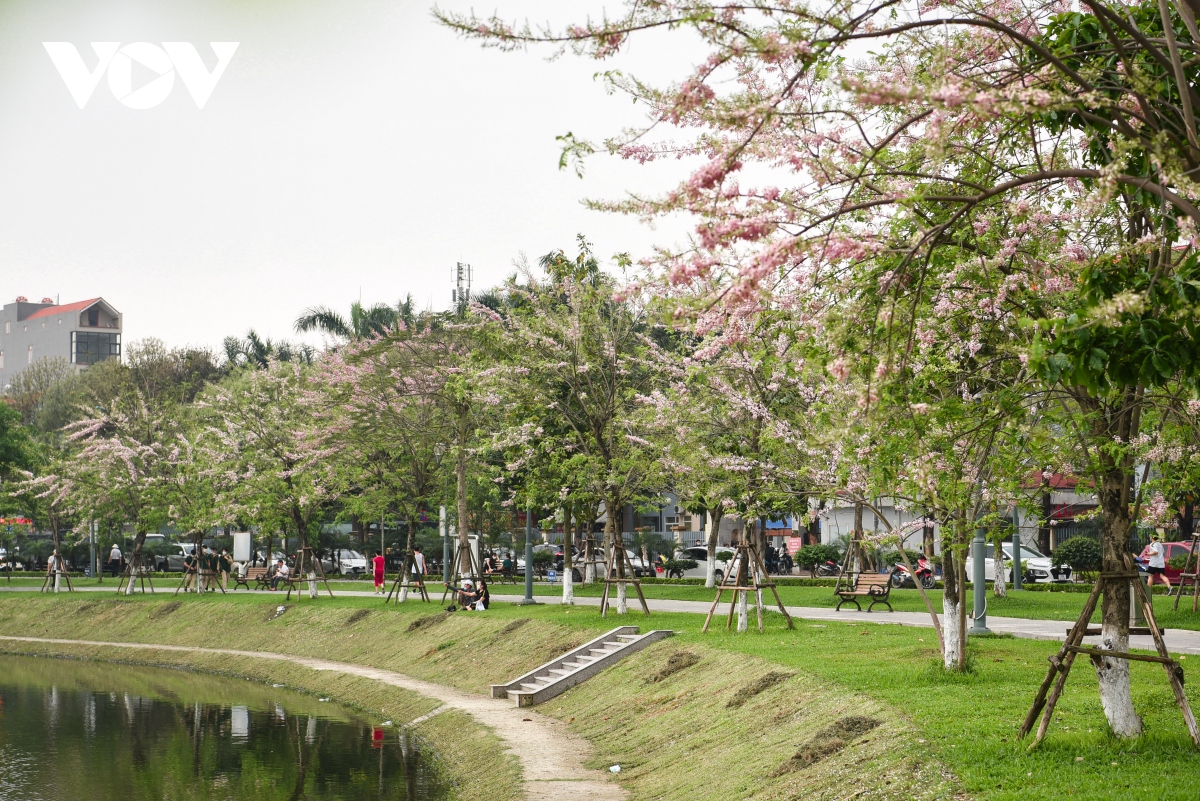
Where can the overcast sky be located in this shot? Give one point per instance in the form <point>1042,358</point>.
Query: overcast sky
<point>351,146</point>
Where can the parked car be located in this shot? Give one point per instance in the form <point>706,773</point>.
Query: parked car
<point>1170,551</point>
<point>1038,567</point>
<point>700,555</point>
<point>173,560</point>
<point>349,563</point>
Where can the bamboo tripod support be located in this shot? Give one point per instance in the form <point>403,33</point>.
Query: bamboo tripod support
<point>188,573</point>
<point>625,568</point>
<point>402,580</point>
<point>1060,663</point>
<point>475,572</point>
<point>305,554</point>
<point>746,556</point>
<point>1191,573</point>
<point>133,573</point>
<point>48,583</point>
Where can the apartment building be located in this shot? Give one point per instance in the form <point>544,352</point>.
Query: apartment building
<point>83,333</point>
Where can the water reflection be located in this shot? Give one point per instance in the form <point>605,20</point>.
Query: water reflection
<point>67,732</point>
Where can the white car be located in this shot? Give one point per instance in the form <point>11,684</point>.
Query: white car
<point>700,555</point>
<point>1038,567</point>
<point>349,563</point>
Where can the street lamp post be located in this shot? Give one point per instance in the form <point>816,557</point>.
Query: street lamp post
<point>979,551</point>
<point>528,559</point>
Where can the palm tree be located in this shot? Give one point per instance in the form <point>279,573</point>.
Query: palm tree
<point>364,321</point>
<point>258,350</point>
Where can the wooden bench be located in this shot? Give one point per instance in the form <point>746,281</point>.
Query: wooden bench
<point>876,586</point>
<point>256,574</point>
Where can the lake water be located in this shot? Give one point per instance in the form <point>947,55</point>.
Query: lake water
<point>85,731</point>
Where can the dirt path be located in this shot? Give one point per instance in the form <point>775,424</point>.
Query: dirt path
<point>548,752</point>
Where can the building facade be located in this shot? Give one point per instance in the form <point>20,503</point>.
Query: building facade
<point>83,333</point>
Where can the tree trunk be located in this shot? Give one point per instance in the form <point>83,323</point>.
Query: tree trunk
<point>1113,674</point>
<point>1044,523</point>
<point>460,471</point>
<point>953,604</point>
<point>856,538</point>
<point>135,560</point>
<point>408,549</point>
<point>714,534</point>
<point>999,583</point>
<point>612,536</point>
<point>568,561</point>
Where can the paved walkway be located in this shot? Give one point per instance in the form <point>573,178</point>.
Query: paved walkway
<point>1181,641</point>
<point>551,756</point>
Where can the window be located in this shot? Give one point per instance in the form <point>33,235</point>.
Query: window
<point>31,354</point>
<point>8,326</point>
<point>88,347</point>
<point>93,316</point>
<point>1,360</point>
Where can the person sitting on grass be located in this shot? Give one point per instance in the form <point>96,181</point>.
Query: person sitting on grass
<point>484,598</point>
<point>467,596</point>
<point>281,574</point>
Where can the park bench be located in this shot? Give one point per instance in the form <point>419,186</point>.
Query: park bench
<point>256,574</point>
<point>876,586</point>
<point>503,576</point>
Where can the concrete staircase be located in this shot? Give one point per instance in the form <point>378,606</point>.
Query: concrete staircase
<point>575,666</point>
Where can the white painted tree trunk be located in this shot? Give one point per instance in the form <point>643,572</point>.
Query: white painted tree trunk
<point>622,599</point>
<point>57,574</point>
<point>312,584</point>
<point>710,577</point>
<point>953,646</point>
<point>404,590</point>
<point>1000,585</point>
<point>589,569</point>
<point>1114,685</point>
<point>743,611</point>
<point>568,586</point>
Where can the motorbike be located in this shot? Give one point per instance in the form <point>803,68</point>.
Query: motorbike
<point>902,578</point>
<point>828,569</point>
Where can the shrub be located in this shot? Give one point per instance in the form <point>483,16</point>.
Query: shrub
<point>810,556</point>
<point>1082,553</point>
<point>672,565</point>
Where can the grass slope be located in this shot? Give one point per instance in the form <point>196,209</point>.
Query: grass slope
<point>679,737</point>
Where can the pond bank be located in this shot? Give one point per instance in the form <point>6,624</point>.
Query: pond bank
<point>682,721</point>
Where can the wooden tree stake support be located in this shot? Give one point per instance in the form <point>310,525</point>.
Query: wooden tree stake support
<point>746,556</point>
<point>400,581</point>
<point>306,556</point>
<point>476,573</point>
<point>625,575</point>
<point>133,573</point>
<point>48,583</point>
<point>1060,663</point>
<point>1189,575</point>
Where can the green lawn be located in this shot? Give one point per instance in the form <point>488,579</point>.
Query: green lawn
<point>967,722</point>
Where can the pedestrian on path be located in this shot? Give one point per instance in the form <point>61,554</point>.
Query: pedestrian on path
<point>418,563</point>
<point>1156,565</point>
<point>54,567</point>
<point>225,565</point>
<point>114,560</point>
<point>377,565</point>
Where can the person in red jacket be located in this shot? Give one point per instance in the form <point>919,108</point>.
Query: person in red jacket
<point>377,565</point>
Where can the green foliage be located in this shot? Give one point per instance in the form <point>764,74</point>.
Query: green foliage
<point>809,556</point>
<point>679,565</point>
<point>1082,553</point>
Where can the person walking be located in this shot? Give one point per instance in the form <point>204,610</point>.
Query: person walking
<point>1156,565</point>
<point>377,563</point>
<point>114,560</point>
<point>190,570</point>
<point>419,570</point>
<point>225,565</point>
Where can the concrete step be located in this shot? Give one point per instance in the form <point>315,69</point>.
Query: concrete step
<point>542,685</point>
<point>573,659</point>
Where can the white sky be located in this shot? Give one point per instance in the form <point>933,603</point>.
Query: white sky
<point>351,146</point>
